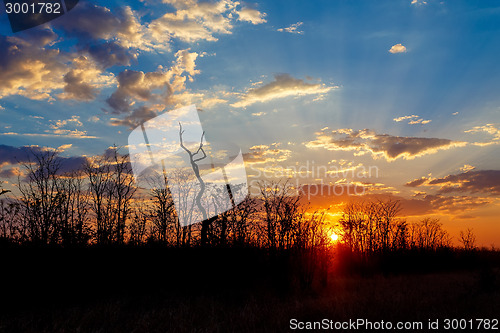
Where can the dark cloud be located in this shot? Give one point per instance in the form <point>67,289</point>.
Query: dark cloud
<point>416,182</point>
<point>108,54</point>
<point>77,87</point>
<point>39,36</point>
<point>480,181</point>
<point>137,117</point>
<point>137,85</point>
<point>389,146</point>
<point>14,156</point>
<point>88,22</point>
<point>10,173</point>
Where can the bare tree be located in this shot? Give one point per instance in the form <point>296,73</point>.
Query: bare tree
<point>138,226</point>
<point>429,234</point>
<point>373,226</point>
<point>165,224</point>
<point>42,197</point>
<point>282,212</point>
<point>122,188</point>
<point>468,239</point>
<point>98,174</point>
<point>111,189</point>
<point>194,164</point>
<point>10,222</point>
<point>75,220</point>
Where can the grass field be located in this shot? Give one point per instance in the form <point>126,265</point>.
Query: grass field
<point>249,295</point>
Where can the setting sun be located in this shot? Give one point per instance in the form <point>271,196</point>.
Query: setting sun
<point>334,237</point>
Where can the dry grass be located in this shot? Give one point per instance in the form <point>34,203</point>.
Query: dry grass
<point>393,298</point>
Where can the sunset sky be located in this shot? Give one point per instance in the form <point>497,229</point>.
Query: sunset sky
<point>398,98</point>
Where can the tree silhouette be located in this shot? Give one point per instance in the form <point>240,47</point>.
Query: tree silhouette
<point>468,239</point>
<point>2,191</point>
<point>194,165</point>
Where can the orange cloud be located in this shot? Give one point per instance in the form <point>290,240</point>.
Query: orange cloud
<point>387,146</point>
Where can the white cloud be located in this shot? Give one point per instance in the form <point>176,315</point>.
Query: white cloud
<point>413,120</point>
<point>283,86</point>
<point>418,2</point>
<point>251,15</point>
<point>64,147</point>
<point>293,29</point>
<point>491,129</point>
<point>193,21</point>
<point>398,48</point>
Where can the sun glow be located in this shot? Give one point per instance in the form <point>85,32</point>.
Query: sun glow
<point>334,237</point>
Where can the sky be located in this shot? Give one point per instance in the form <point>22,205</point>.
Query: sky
<point>394,99</point>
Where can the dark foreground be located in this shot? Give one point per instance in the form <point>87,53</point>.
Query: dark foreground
<point>235,290</point>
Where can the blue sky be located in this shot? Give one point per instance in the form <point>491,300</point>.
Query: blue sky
<point>408,86</point>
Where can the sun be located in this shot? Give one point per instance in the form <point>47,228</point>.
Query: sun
<point>334,237</point>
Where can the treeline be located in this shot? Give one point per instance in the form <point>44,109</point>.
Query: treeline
<point>372,227</point>
<point>99,203</point>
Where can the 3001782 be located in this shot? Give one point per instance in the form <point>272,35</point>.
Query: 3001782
<point>33,8</point>
<point>463,324</point>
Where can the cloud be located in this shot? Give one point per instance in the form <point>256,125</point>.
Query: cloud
<point>107,54</point>
<point>491,129</point>
<point>417,182</point>
<point>155,87</point>
<point>470,181</point>
<point>11,157</point>
<point>194,21</point>
<point>266,154</point>
<point>398,48</point>
<point>92,23</point>
<point>64,147</point>
<point>387,146</point>
<point>283,86</point>
<point>11,173</point>
<point>210,102</point>
<point>137,117</point>
<point>60,128</point>
<point>418,2</point>
<point>251,15</point>
<point>32,67</point>
<point>293,29</point>
<point>419,205</point>
<point>29,70</point>
<point>84,80</point>
<point>467,168</point>
<point>413,120</point>
<point>76,134</point>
